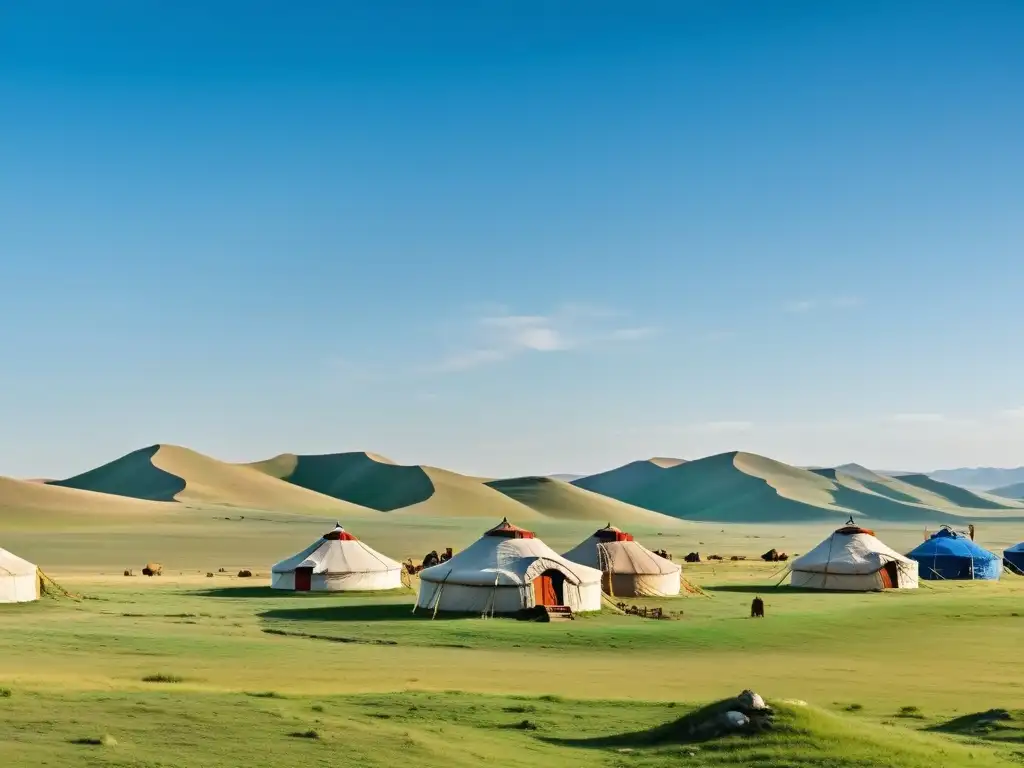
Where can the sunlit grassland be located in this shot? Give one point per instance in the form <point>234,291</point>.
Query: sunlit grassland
<point>187,670</point>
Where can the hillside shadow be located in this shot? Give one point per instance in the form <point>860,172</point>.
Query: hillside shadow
<point>252,592</point>
<point>688,729</point>
<point>344,613</point>
<point>744,589</point>
<point>359,479</point>
<point>134,476</point>
<point>1006,726</point>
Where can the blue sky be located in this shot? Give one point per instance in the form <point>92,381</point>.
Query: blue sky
<point>512,237</point>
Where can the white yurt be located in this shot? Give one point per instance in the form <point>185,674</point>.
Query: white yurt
<point>505,570</point>
<point>853,560</point>
<point>337,562</point>
<point>19,579</point>
<point>629,568</point>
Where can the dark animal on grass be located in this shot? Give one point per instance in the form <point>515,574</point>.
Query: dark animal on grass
<point>771,556</point>
<point>737,558</point>
<point>693,557</point>
<point>244,574</point>
<point>152,569</point>
<point>757,608</point>
<point>209,575</point>
<point>128,573</point>
<point>714,557</point>
<point>783,557</point>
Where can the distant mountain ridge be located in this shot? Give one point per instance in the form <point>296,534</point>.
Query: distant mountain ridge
<point>155,480</point>
<point>657,492</point>
<point>979,478</point>
<point>744,487</point>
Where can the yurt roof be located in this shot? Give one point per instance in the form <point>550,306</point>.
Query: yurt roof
<point>623,556</point>
<point>949,543</point>
<point>612,533</point>
<point>339,534</point>
<point>848,550</point>
<point>505,529</point>
<point>338,551</point>
<point>12,565</point>
<point>504,557</point>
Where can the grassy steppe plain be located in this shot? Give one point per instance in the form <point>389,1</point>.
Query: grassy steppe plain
<point>239,676</point>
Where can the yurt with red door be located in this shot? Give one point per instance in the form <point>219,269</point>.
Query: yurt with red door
<point>504,571</point>
<point>630,569</point>
<point>337,562</point>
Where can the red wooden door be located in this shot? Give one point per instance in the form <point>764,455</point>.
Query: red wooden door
<point>303,579</point>
<point>544,590</point>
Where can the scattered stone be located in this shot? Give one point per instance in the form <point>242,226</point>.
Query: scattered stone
<point>749,700</point>
<point>733,720</point>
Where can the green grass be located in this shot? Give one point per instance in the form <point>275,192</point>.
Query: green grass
<point>237,668</point>
<point>222,730</point>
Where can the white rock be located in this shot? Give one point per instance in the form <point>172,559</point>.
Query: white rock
<point>751,701</point>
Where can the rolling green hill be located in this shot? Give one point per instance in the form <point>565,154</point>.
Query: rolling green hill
<point>1015,491</point>
<point>169,473</point>
<point>378,483</point>
<point>28,504</point>
<point>621,482</point>
<point>563,501</point>
<point>954,494</point>
<point>746,488</point>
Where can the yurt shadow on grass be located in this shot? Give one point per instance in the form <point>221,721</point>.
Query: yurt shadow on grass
<point>347,612</point>
<point>272,593</point>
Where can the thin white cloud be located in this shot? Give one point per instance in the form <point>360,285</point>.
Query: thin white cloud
<point>802,306</point>
<point>724,427</point>
<point>1012,414</point>
<point>917,418</point>
<point>473,358</point>
<point>632,334</point>
<point>846,302</point>
<point>502,335</point>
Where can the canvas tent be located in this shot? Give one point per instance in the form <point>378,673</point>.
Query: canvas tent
<point>1013,559</point>
<point>949,554</point>
<point>337,562</point>
<point>505,570</point>
<point>629,569</point>
<point>853,559</point>
<point>19,579</point>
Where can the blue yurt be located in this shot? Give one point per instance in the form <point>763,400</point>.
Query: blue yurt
<point>952,555</point>
<point>1013,558</point>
